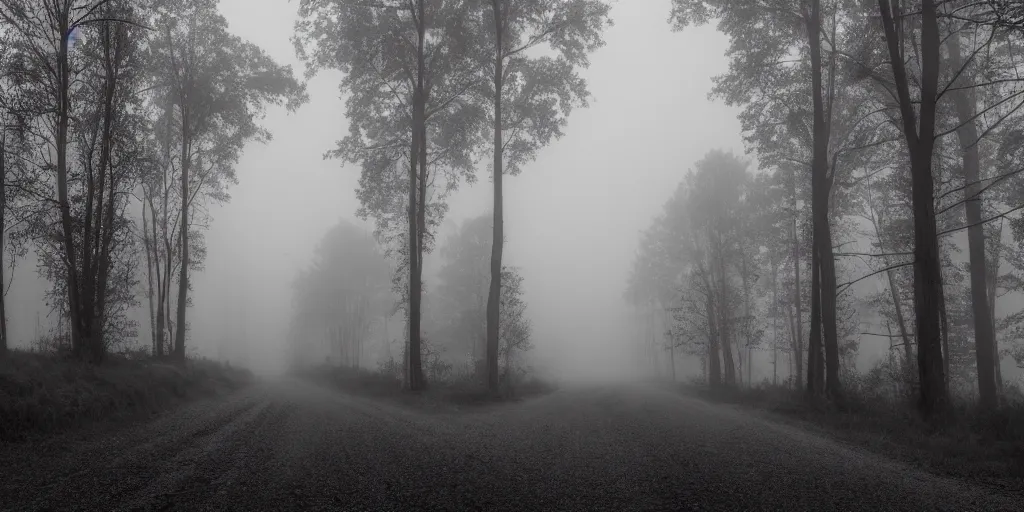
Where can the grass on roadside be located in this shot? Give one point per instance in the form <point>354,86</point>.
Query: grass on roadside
<point>43,393</point>
<point>458,392</point>
<point>971,444</point>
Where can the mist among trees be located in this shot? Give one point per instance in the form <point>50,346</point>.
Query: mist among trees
<point>883,142</point>
<point>515,247</point>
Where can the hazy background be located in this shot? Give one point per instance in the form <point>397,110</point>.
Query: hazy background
<point>572,217</point>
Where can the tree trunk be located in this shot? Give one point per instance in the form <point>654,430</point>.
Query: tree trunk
<point>671,346</point>
<point>168,267</point>
<point>3,230</point>
<point>160,320</point>
<point>163,278</point>
<point>168,317</point>
<point>815,357</point>
<point>415,362</point>
<point>747,324</point>
<point>507,372</point>
<point>714,364</point>
<point>68,241</point>
<point>775,323</point>
<point>820,216</point>
<point>148,247</point>
<point>723,317</point>
<point>920,143</point>
<point>908,350</point>
<point>186,163</point>
<point>161,288</point>
<point>992,281</point>
<point>944,329</point>
<point>652,330</point>
<point>795,373</point>
<point>104,230</point>
<point>928,274</point>
<point>897,301</point>
<point>829,318</point>
<point>498,235</point>
<point>421,231</point>
<point>984,345</point>
<point>798,352</point>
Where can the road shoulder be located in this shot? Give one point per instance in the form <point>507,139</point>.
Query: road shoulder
<point>947,451</point>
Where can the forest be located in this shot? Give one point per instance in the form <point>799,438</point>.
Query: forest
<point>124,121</point>
<point>879,196</point>
<point>852,265</point>
<point>884,203</point>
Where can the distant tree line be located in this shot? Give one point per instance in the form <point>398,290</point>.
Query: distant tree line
<point>344,305</point>
<point>891,122</point>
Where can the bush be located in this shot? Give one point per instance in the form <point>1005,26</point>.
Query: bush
<point>42,393</point>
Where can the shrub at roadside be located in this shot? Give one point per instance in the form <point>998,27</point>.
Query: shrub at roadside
<point>42,393</point>
<point>969,443</point>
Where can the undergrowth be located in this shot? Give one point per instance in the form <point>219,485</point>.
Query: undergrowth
<point>459,389</point>
<point>967,442</point>
<point>43,393</point>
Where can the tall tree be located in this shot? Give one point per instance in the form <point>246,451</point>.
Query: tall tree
<point>461,297</point>
<point>13,171</point>
<point>411,72</point>
<point>6,111</point>
<point>820,185</point>
<point>967,133</point>
<point>81,101</point>
<point>218,85</point>
<point>798,116</point>
<point>532,97</point>
<point>160,200</point>
<point>919,132</point>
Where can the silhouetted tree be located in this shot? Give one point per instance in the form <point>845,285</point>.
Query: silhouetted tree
<point>217,85</point>
<point>531,98</point>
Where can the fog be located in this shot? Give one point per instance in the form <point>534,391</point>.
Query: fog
<point>777,249</point>
<point>572,217</point>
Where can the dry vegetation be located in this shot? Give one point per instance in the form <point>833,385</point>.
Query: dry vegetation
<point>969,443</point>
<point>42,393</point>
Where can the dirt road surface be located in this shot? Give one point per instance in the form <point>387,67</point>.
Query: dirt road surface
<point>289,445</point>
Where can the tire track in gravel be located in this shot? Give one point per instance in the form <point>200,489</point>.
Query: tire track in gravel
<point>218,445</point>
<point>94,475</point>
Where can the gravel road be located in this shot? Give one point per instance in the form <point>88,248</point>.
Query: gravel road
<point>289,445</point>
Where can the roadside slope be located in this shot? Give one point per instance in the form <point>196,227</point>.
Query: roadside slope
<point>42,394</point>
